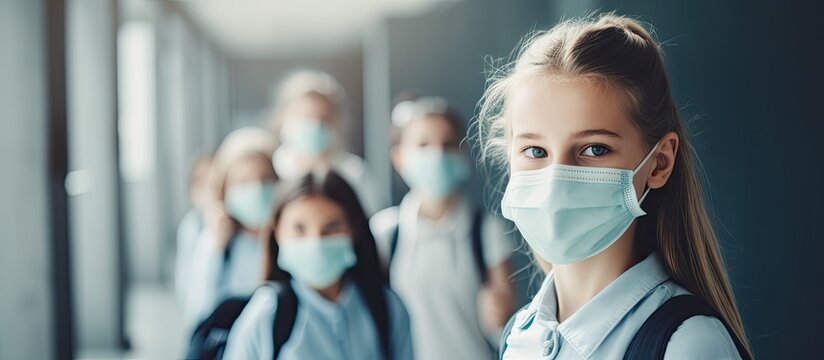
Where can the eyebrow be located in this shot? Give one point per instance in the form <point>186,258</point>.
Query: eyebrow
<point>580,134</point>
<point>592,132</point>
<point>529,136</point>
<point>333,223</point>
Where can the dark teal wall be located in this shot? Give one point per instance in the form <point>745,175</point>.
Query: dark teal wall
<point>747,73</point>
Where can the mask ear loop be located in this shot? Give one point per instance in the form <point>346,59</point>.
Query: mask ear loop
<point>638,168</point>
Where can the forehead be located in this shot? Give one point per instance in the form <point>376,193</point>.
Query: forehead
<point>556,107</point>
<point>429,125</point>
<point>311,104</point>
<point>253,163</point>
<point>312,206</point>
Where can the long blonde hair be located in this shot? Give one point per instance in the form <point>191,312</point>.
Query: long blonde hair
<point>618,52</point>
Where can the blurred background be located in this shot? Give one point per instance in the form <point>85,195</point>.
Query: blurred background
<point>106,104</point>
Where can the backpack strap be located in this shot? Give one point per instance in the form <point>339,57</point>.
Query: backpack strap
<point>651,340</point>
<point>285,316</point>
<point>384,328</point>
<point>477,246</point>
<point>393,243</point>
<point>209,338</point>
<point>224,268</point>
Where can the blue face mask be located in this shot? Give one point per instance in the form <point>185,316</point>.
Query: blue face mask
<point>250,204</point>
<point>434,172</point>
<point>310,136</point>
<point>570,213</point>
<point>317,262</point>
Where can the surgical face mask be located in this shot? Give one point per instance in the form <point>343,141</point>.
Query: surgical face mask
<point>570,213</point>
<point>310,136</point>
<point>317,262</point>
<point>434,172</point>
<point>250,204</point>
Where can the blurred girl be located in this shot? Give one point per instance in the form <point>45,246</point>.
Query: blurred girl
<point>603,185</point>
<point>448,260</point>
<point>228,257</point>
<point>320,247</point>
<point>200,195</point>
<point>309,122</point>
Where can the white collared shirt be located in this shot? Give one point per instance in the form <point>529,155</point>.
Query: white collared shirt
<point>212,280</point>
<point>434,272</point>
<point>323,329</point>
<point>604,327</point>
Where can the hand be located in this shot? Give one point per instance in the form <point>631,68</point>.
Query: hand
<point>219,224</point>
<point>495,306</point>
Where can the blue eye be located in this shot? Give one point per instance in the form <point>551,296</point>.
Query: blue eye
<point>533,152</point>
<point>596,150</point>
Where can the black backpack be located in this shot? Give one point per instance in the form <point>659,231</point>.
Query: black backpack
<point>651,340</point>
<point>477,246</point>
<point>209,338</point>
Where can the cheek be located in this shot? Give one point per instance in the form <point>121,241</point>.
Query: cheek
<point>518,164</point>
<point>282,232</point>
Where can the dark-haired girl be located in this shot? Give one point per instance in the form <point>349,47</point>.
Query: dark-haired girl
<point>320,247</point>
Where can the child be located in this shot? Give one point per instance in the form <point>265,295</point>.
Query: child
<point>228,257</point>
<point>309,121</point>
<point>448,260</point>
<point>603,186</point>
<point>321,251</point>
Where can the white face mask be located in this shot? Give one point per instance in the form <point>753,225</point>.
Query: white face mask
<point>435,172</point>
<point>317,262</point>
<point>570,213</point>
<point>310,136</point>
<point>251,204</point>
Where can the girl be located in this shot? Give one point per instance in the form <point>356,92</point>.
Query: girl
<point>449,261</point>
<point>228,257</point>
<point>308,121</point>
<point>320,247</point>
<point>603,186</point>
<point>188,231</point>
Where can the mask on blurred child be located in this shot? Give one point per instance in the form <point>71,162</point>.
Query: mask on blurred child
<point>317,262</point>
<point>250,204</point>
<point>434,172</point>
<point>307,135</point>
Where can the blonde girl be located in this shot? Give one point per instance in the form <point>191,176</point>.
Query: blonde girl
<point>603,185</point>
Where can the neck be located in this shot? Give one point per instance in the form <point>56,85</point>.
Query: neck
<point>576,284</point>
<point>331,292</point>
<point>249,231</point>
<point>310,160</point>
<point>436,208</point>
<point>307,161</point>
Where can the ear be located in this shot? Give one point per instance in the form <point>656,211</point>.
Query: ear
<point>396,158</point>
<point>664,160</point>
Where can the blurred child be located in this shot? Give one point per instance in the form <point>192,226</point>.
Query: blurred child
<point>320,251</point>
<point>200,195</point>
<point>309,122</point>
<point>228,257</point>
<point>448,260</point>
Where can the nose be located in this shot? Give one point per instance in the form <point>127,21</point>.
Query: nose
<point>315,231</point>
<point>563,158</point>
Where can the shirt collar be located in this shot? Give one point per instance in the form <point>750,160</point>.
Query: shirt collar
<point>319,303</point>
<point>589,326</point>
<point>451,223</point>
